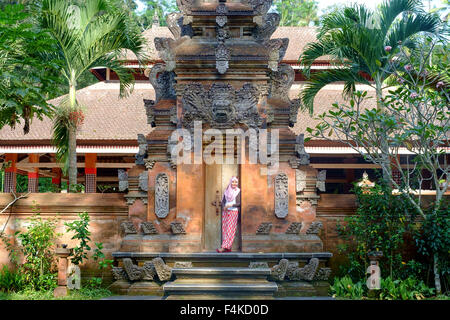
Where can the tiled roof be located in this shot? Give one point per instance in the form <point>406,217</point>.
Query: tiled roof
<point>298,38</point>
<point>107,117</point>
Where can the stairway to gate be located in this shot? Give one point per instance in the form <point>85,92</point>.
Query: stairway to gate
<point>211,275</point>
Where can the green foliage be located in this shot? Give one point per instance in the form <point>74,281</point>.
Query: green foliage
<point>28,71</point>
<point>37,245</point>
<point>103,264</point>
<point>81,233</point>
<point>301,13</point>
<point>345,288</point>
<point>82,294</point>
<point>356,38</point>
<point>77,188</point>
<point>380,223</point>
<point>407,289</point>
<point>11,280</point>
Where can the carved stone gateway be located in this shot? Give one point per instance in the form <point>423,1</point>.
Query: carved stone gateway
<point>281,195</point>
<point>162,195</point>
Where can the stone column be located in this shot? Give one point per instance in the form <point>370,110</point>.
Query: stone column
<point>9,182</point>
<point>33,176</point>
<point>90,171</point>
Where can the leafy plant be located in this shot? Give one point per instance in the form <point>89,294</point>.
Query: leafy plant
<point>81,229</point>
<point>345,288</point>
<point>408,289</point>
<point>11,280</point>
<point>37,244</point>
<point>103,264</point>
<point>77,188</point>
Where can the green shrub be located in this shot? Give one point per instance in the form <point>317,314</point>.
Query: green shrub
<point>345,288</point>
<point>11,280</point>
<point>409,289</point>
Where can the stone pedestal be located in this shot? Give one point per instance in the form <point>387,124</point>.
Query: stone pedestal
<point>61,289</point>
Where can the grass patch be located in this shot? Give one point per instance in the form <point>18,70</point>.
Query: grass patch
<point>82,294</point>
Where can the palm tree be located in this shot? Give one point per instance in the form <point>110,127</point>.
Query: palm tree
<point>91,34</point>
<point>360,42</point>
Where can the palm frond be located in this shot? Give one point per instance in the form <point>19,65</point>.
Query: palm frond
<point>389,10</point>
<point>319,80</point>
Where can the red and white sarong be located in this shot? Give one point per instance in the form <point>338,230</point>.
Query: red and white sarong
<point>229,224</point>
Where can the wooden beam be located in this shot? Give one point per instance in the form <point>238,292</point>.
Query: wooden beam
<point>25,166</point>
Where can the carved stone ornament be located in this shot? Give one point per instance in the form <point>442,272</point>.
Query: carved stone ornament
<point>260,6</point>
<point>221,20</point>
<point>281,82</point>
<point>277,49</point>
<point>293,112</point>
<point>258,265</point>
<point>177,228</point>
<point>162,195</point>
<point>142,153</point>
<point>294,228</point>
<point>128,227</point>
<point>281,195</point>
<point>183,264</point>
<point>323,274</point>
<point>300,150</point>
<point>119,273</point>
<point>133,271</point>
<point>163,82</point>
<point>307,272</point>
<point>221,9</point>
<point>221,106</point>
<point>300,180</point>
<point>176,23</point>
<point>314,228</point>
<point>165,47</point>
<point>321,178</point>
<point>185,5</point>
<point>149,164</point>
<point>278,272</point>
<point>148,228</point>
<point>292,266</point>
<point>222,58</point>
<point>149,271</point>
<point>143,181</point>
<point>163,271</point>
<point>264,228</point>
<point>149,106</point>
<point>267,28</point>
<point>123,180</point>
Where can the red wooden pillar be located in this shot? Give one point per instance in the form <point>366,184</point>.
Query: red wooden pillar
<point>56,179</point>
<point>90,171</point>
<point>33,176</point>
<point>9,183</point>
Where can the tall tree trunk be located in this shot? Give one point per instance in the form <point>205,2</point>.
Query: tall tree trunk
<point>437,279</point>
<point>73,172</point>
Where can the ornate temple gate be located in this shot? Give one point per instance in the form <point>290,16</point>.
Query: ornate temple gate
<point>222,69</point>
<point>217,177</point>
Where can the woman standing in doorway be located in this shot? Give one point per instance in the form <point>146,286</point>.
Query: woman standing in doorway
<point>231,203</point>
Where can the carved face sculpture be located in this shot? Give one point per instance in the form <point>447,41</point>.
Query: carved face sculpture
<point>221,105</point>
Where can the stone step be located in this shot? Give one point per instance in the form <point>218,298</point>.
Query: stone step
<point>222,272</point>
<point>195,288</point>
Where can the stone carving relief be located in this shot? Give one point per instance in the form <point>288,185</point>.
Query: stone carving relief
<point>300,180</point>
<point>314,228</point>
<point>221,20</point>
<point>163,82</point>
<point>321,178</point>
<point>260,6</point>
<point>277,50</point>
<point>186,5</point>
<point>165,47</point>
<point>128,227</point>
<point>148,228</point>
<point>162,195</point>
<point>133,271</point>
<point>264,228</point>
<point>269,25</point>
<point>307,272</point>
<point>258,265</point>
<point>281,82</point>
<point>163,271</point>
<point>222,58</point>
<point>149,271</point>
<point>143,181</point>
<point>221,105</point>
<point>177,228</point>
<point>142,153</point>
<point>119,273</point>
<point>179,26</point>
<point>281,195</point>
<point>183,264</point>
<point>300,151</point>
<point>149,111</point>
<point>322,274</point>
<point>294,228</point>
<point>278,272</point>
<point>123,180</point>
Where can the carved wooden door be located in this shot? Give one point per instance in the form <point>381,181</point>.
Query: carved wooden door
<point>217,179</point>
